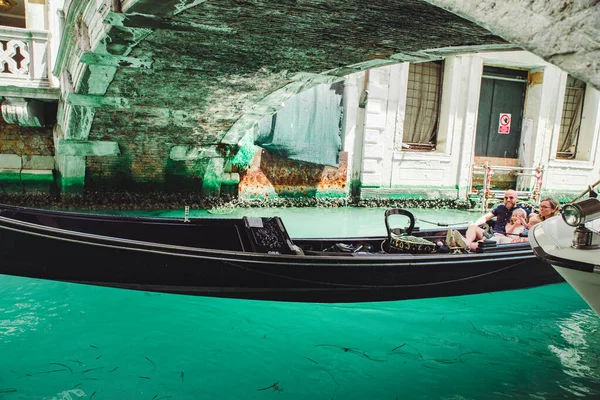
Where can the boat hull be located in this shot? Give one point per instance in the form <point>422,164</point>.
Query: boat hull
<point>587,284</point>
<point>552,242</point>
<point>148,256</point>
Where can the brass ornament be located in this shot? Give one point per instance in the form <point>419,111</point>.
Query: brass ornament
<point>412,244</point>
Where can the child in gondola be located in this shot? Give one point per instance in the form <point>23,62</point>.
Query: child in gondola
<point>516,229</point>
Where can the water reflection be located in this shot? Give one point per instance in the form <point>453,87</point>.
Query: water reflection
<point>578,354</point>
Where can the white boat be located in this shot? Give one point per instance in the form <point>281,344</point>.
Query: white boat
<point>571,244</point>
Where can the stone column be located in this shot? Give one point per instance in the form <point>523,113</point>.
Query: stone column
<point>353,135</point>
<point>71,173</point>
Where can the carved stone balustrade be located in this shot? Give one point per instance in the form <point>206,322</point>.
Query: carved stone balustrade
<point>24,58</point>
<point>25,80</point>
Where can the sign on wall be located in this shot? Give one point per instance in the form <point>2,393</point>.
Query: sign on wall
<point>504,125</point>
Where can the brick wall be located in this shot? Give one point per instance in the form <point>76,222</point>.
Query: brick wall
<point>19,140</point>
<point>143,163</point>
<point>26,159</point>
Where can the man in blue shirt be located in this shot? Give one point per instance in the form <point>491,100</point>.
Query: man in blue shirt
<point>502,212</point>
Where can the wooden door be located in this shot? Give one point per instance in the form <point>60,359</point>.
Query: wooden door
<point>500,114</point>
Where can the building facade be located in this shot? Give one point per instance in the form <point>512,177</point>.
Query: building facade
<point>436,128</point>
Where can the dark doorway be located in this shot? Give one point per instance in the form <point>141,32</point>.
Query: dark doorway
<point>500,113</point>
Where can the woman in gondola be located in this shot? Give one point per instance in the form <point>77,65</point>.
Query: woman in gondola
<point>549,207</point>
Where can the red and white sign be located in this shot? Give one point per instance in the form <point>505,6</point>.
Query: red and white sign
<point>504,125</point>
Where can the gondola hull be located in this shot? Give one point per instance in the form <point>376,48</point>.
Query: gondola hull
<point>220,258</point>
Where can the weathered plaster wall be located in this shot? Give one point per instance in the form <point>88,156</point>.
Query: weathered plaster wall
<point>272,177</point>
<point>391,172</point>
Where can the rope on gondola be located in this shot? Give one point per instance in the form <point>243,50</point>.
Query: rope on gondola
<point>443,223</point>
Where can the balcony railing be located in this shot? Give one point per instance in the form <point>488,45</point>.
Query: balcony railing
<point>24,58</point>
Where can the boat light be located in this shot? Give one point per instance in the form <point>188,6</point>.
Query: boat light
<point>577,215</point>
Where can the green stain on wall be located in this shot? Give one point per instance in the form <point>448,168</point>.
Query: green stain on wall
<point>563,196</point>
<point>330,194</point>
<point>33,177</point>
<point>71,185</point>
<point>409,192</point>
<point>10,175</point>
<point>184,175</point>
<point>245,155</point>
<point>420,196</point>
<point>20,181</point>
<point>211,182</point>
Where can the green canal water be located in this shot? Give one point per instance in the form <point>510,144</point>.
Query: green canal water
<point>68,341</point>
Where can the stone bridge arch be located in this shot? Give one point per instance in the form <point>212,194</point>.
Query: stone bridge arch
<point>140,77</point>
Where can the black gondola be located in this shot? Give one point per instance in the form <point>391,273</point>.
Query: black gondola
<point>254,258</point>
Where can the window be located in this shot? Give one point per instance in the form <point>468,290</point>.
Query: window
<point>422,106</point>
<point>570,124</point>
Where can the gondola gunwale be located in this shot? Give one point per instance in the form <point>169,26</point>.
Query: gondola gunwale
<point>356,260</point>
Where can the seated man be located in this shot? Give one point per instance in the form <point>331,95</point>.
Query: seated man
<point>502,212</point>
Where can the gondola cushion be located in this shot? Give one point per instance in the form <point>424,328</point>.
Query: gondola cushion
<point>411,244</point>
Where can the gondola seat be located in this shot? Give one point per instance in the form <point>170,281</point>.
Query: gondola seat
<point>401,240</point>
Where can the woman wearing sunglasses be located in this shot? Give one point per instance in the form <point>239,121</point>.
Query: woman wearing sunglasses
<point>549,207</point>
